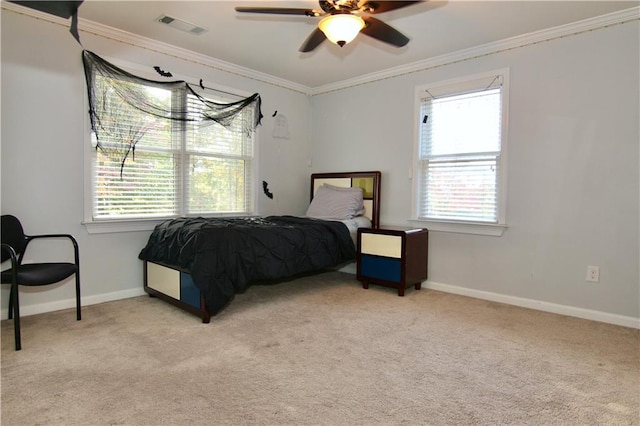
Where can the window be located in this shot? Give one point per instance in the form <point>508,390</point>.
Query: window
<point>175,168</point>
<point>460,159</point>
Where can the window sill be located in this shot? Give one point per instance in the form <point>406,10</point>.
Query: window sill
<point>138,225</point>
<point>111,226</point>
<point>475,228</point>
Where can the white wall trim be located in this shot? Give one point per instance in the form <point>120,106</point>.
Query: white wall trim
<point>100,30</point>
<point>187,55</point>
<point>58,305</point>
<point>549,34</point>
<point>572,311</point>
<point>109,226</point>
<point>489,229</point>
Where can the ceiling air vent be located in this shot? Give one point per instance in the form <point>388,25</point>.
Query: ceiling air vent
<point>181,25</point>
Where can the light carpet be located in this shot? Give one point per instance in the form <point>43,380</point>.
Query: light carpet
<point>320,350</point>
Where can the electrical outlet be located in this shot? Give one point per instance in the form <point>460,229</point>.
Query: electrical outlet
<point>593,274</point>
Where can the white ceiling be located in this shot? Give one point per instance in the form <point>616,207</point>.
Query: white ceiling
<point>269,43</point>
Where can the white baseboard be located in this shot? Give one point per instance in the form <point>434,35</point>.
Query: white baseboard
<point>555,308</point>
<point>71,303</point>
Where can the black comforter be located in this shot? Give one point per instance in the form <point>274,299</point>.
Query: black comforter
<point>226,255</point>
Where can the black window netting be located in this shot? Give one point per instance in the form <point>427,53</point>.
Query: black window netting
<point>123,107</point>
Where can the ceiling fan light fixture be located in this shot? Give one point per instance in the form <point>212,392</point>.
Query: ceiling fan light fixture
<point>341,28</point>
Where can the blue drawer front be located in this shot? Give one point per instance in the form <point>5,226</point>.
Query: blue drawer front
<point>189,293</point>
<point>382,268</point>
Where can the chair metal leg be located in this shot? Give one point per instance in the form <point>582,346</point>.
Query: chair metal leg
<point>11,303</point>
<point>16,320</point>
<point>78,308</point>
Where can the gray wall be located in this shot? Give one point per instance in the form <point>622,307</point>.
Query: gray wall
<point>573,183</point>
<point>572,177</point>
<point>44,133</point>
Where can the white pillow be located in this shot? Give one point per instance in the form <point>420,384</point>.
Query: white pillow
<point>333,202</point>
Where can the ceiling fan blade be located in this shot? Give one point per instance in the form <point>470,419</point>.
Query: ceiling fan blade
<point>313,41</point>
<point>379,30</point>
<point>383,6</point>
<point>278,10</point>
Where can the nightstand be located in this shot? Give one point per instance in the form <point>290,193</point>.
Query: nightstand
<point>393,257</point>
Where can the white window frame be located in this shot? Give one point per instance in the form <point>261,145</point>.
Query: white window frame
<point>453,86</point>
<point>145,224</point>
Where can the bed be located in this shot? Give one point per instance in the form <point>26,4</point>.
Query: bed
<point>200,264</point>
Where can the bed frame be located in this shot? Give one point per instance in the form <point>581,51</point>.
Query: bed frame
<point>176,286</point>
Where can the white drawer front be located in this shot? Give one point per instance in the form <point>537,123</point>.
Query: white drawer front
<point>381,245</point>
<point>164,280</point>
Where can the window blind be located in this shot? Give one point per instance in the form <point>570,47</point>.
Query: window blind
<point>220,167</point>
<point>459,153</point>
<point>148,187</point>
<point>170,171</point>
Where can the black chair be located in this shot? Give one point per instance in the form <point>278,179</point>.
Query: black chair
<point>14,245</point>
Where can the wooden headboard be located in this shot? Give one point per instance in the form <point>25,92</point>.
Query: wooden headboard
<point>368,181</point>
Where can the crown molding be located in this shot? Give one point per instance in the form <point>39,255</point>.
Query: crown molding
<point>100,30</point>
<point>162,48</point>
<point>90,27</point>
<point>579,27</point>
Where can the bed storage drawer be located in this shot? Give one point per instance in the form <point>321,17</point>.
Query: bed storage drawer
<point>164,280</point>
<point>189,293</point>
<point>175,284</point>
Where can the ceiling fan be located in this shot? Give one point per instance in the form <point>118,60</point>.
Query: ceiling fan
<point>343,20</point>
